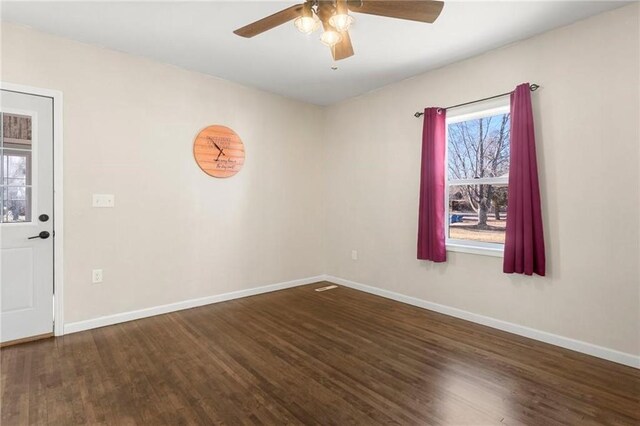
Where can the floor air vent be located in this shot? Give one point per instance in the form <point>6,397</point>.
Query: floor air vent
<point>329,287</point>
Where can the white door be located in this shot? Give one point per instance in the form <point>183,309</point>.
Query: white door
<point>26,225</point>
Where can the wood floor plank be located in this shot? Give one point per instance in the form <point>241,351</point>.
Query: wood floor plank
<point>303,357</point>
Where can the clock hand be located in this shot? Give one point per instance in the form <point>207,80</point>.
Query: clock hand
<point>220,149</point>
<point>214,142</point>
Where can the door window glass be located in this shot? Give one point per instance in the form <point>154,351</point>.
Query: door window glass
<point>15,168</point>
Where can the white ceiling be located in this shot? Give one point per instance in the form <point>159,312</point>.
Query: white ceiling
<point>198,36</point>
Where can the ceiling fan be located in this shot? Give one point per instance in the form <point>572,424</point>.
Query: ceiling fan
<point>334,17</point>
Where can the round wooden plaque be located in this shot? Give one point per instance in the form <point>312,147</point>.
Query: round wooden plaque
<point>219,151</point>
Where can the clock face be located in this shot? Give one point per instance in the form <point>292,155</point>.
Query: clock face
<point>219,151</point>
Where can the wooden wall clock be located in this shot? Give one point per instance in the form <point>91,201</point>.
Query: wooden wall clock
<point>219,151</point>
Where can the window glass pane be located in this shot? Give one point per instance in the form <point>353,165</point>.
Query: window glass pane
<point>16,131</point>
<point>16,204</point>
<point>478,213</point>
<point>478,148</point>
<point>15,169</point>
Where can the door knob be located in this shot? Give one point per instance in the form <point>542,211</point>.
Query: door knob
<point>44,235</point>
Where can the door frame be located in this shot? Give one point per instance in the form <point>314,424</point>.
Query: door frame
<point>58,211</point>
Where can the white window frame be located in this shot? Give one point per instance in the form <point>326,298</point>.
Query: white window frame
<point>471,112</point>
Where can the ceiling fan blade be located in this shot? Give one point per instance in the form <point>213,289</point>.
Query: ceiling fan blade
<point>416,10</point>
<point>344,49</point>
<point>270,22</point>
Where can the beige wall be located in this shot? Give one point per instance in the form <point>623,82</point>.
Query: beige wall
<point>588,145</point>
<point>175,233</point>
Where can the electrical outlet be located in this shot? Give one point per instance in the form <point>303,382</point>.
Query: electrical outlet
<point>103,200</point>
<point>354,254</point>
<point>96,276</point>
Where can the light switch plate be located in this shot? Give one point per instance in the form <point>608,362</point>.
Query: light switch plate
<point>103,200</point>
<point>354,254</point>
<point>96,276</point>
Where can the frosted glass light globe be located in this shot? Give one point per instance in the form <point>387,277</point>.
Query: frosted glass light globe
<point>341,22</point>
<point>330,38</point>
<point>307,24</point>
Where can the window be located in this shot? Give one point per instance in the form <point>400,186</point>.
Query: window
<point>15,169</point>
<point>477,178</point>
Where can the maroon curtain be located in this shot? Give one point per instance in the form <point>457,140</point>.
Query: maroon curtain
<point>431,245</point>
<point>524,245</point>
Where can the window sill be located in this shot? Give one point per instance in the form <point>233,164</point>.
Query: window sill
<point>483,251</point>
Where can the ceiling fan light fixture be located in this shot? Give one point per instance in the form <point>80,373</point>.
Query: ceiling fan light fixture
<point>307,24</point>
<point>341,22</point>
<point>330,38</point>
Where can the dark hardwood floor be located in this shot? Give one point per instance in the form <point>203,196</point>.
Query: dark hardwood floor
<point>303,357</point>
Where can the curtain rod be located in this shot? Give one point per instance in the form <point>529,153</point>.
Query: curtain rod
<point>532,87</point>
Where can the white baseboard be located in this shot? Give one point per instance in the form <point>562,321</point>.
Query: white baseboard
<point>564,342</point>
<point>178,306</point>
